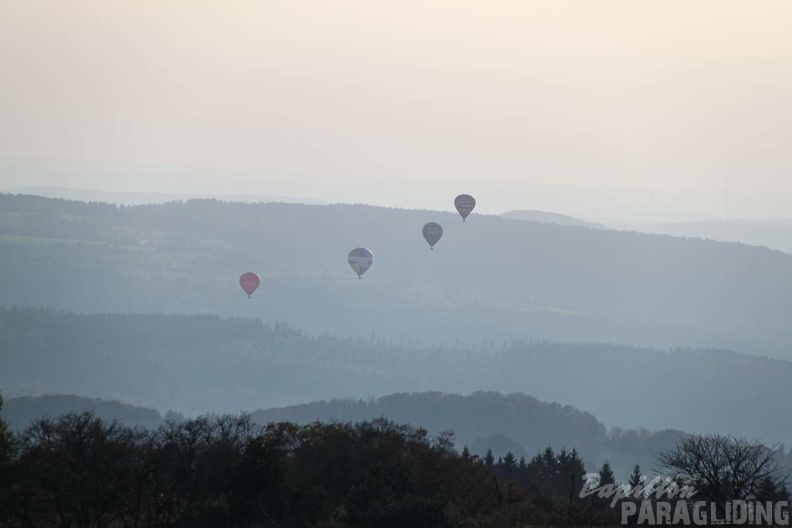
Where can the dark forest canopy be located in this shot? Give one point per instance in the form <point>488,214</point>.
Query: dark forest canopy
<point>199,364</point>
<point>78,470</point>
<point>489,279</point>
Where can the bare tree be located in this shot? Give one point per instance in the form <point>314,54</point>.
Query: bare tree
<point>722,468</point>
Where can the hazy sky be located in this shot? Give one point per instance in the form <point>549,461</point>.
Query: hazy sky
<point>371,96</point>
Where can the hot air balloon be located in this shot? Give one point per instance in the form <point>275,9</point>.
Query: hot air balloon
<point>249,282</point>
<point>432,233</point>
<point>360,259</point>
<point>464,203</point>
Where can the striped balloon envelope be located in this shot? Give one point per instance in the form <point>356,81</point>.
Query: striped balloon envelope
<point>361,260</point>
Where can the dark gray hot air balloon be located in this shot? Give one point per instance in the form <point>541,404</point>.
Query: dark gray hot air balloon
<point>464,203</point>
<point>432,233</point>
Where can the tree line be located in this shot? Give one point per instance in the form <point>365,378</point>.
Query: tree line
<point>80,471</point>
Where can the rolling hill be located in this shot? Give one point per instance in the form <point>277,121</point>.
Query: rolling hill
<point>488,280</point>
<point>501,423</point>
<point>20,412</point>
<point>199,364</point>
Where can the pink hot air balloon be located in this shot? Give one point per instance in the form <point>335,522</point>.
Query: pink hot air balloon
<point>249,282</point>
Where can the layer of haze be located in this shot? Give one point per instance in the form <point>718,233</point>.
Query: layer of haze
<point>403,103</point>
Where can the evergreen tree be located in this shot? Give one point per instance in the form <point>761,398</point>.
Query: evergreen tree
<point>549,462</point>
<point>573,472</point>
<point>489,459</point>
<point>606,478</point>
<point>606,475</point>
<point>510,465</point>
<point>636,479</point>
<point>466,453</point>
<point>563,457</point>
<point>548,468</point>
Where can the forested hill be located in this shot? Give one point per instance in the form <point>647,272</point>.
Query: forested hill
<point>476,417</point>
<point>19,413</point>
<point>199,364</point>
<point>484,421</point>
<point>488,279</point>
<point>481,421</point>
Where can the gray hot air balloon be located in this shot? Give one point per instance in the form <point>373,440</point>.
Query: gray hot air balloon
<point>464,203</point>
<point>360,259</point>
<point>432,233</point>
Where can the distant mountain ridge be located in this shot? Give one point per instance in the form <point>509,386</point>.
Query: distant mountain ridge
<point>149,198</point>
<point>532,215</point>
<point>775,234</point>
